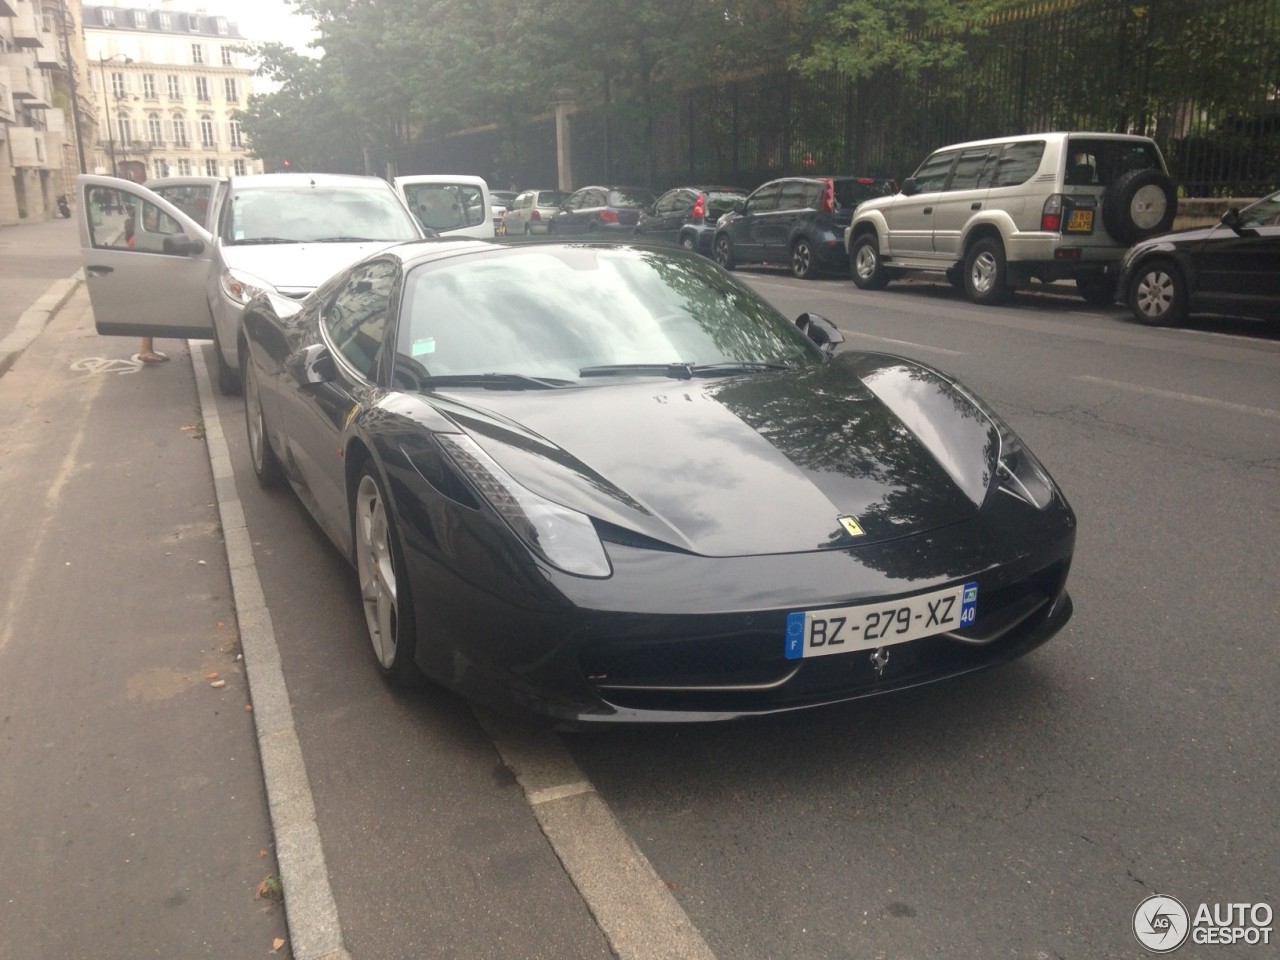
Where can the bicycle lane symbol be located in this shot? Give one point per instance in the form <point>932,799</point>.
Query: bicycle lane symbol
<point>104,365</point>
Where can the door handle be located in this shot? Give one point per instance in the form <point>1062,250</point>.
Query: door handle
<point>98,271</point>
<point>927,210</point>
<point>976,206</point>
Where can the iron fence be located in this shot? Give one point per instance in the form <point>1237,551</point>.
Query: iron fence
<point>1200,76</point>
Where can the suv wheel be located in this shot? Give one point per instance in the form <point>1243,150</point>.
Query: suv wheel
<point>1139,204</point>
<point>986,273</point>
<point>724,252</point>
<point>804,265</point>
<point>865,264</point>
<point>1096,289</point>
<point>1157,294</point>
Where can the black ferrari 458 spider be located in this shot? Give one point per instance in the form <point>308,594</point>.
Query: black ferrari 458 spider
<point>609,484</point>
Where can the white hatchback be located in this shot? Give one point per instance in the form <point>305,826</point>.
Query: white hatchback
<point>454,206</point>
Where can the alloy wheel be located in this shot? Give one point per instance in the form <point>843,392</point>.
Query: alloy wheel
<point>983,272</point>
<point>1154,295</point>
<point>376,570</point>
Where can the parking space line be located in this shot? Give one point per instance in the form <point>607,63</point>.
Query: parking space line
<point>1184,397</point>
<point>636,911</point>
<point>310,908</point>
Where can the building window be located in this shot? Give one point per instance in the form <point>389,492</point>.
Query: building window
<point>180,131</point>
<point>184,167</point>
<point>155,130</point>
<point>228,59</point>
<point>108,17</point>
<point>202,88</point>
<point>197,53</point>
<point>175,87</point>
<point>237,139</point>
<point>162,168</point>
<point>232,89</point>
<point>207,137</point>
<point>166,20</point>
<point>149,86</point>
<point>117,85</point>
<point>240,168</point>
<point>140,19</point>
<point>124,128</point>
<point>222,25</point>
<point>211,168</point>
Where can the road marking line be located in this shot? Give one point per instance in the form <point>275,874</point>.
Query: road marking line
<point>903,343</point>
<point>310,908</point>
<point>1185,397</point>
<point>635,910</point>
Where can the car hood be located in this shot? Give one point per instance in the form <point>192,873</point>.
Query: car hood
<point>759,464</point>
<point>297,268</point>
<point>1184,237</point>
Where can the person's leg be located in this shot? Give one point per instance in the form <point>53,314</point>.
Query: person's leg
<point>148,353</point>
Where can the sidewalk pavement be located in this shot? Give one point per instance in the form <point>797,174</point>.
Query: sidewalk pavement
<point>133,819</point>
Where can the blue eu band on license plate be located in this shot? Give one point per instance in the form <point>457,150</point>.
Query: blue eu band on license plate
<point>867,626</point>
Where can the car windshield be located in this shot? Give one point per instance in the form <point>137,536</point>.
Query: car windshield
<point>551,198</point>
<point>852,191</point>
<point>305,213</point>
<point>1096,163</point>
<point>551,312</point>
<point>1264,213</point>
<point>722,201</point>
<point>627,198</point>
<point>447,206</point>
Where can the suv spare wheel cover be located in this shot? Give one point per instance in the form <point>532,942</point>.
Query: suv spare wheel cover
<point>1139,204</point>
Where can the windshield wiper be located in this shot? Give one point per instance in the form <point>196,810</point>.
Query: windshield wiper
<point>345,240</point>
<point>249,240</point>
<point>736,366</point>
<point>491,381</point>
<point>677,371</point>
<point>680,371</point>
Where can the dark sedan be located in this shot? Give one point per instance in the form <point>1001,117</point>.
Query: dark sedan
<point>600,211</point>
<point>609,483</point>
<point>687,216</point>
<point>1232,267</point>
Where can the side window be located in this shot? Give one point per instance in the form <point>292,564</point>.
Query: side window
<point>356,318</point>
<point>597,198</point>
<point>577,201</point>
<point>667,204</point>
<point>973,169</point>
<point>118,220</point>
<point>1018,163</point>
<point>764,199</point>
<point>792,196</point>
<point>932,175</point>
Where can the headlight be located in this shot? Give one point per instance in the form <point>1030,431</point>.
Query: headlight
<point>243,287</point>
<point>565,538</point>
<point>1019,472</point>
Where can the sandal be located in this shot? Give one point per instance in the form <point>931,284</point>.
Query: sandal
<point>152,357</point>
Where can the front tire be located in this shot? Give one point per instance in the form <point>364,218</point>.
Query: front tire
<point>228,376</point>
<point>266,465</point>
<point>724,252</point>
<point>1157,294</point>
<point>384,584</point>
<point>986,273</point>
<point>804,265</point>
<point>865,265</point>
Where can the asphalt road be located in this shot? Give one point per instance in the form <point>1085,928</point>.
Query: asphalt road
<point>1023,813</point>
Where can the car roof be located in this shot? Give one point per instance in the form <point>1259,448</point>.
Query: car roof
<point>1056,136</point>
<point>270,181</point>
<point>443,178</point>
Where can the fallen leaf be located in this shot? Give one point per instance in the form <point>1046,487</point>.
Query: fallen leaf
<point>248,708</point>
<point>262,852</point>
<point>211,676</point>
<point>276,944</point>
<point>218,684</point>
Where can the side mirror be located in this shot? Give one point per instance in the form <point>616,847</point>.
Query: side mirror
<point>910,187</point>
<point>740,207</point>
<point>821,331</point>
<point>1231,219</point>
<point>180,245</point>
<point>312,366</point>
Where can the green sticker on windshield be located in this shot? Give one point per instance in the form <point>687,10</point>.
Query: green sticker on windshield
<point>422,347</point>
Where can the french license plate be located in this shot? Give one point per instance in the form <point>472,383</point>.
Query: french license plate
<point>817,633</point>
<point>1080,221</point>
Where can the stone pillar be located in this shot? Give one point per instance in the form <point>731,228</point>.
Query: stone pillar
<point>563,100</point>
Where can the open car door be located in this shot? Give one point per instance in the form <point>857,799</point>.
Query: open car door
<point>146,263</point>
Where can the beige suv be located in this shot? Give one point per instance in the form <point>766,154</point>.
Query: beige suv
<point>997,214</point>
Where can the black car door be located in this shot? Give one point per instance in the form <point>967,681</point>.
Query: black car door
<point>352,325</point>
<point>774,229</point>
<point>1239,269</point>
<point>743,229</point>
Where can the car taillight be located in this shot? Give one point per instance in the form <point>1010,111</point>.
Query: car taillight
<point>535,215</point>
<point>699,207</point>
<point>608,216</point>
<point>829,197</point>
<point>1051,215</point>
